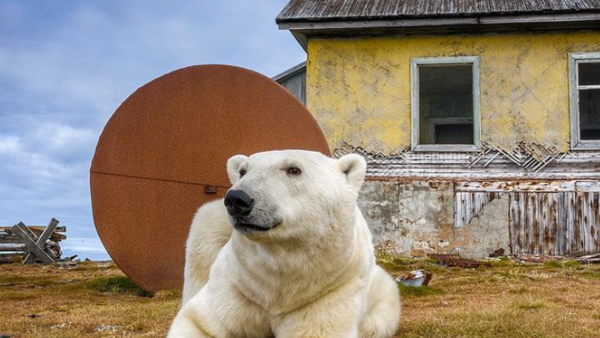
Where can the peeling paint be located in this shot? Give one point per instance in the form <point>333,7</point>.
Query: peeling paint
<point>359,88</point>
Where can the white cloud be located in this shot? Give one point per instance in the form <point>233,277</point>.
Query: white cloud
<point>9,145</point>
<point>65,66</point>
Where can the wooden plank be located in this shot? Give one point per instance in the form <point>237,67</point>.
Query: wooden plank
<point>560,224</point>
<point>570,205</point>
<point>515,186</point>
<point>514,222</point>
<point>41,241</point>
<point>596,215</point>
<point>553,229</point>
<point>587,186</point>
<point>12,247</point>
<point>523,218</point>
<point>40,228</point>
<point>458,212</point>
<point>544,213</point>
<point>28,239</point>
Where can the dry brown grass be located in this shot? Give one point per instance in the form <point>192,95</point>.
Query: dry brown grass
<point>508,300</point>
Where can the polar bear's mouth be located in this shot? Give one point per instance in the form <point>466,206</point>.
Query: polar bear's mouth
<point>251,227</point>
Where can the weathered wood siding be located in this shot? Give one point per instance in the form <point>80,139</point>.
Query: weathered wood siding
<point>469,204</point>
<point>545,217</point>
<point>554,223</point>
<point>294,80</point>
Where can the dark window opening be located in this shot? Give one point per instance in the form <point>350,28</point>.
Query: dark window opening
<point>589,73</point>
<point>589,100</point>
<point>446,104</point>
<point>589,114</point>
<point>454,133</point>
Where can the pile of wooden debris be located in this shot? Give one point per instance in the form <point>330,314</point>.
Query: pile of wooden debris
<point>29,244</point>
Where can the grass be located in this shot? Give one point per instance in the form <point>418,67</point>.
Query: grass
<point>119,285</point>
<point>413,291</point>
<point>510,299</point>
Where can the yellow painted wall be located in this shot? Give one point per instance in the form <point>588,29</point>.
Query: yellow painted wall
<point>359,89</point>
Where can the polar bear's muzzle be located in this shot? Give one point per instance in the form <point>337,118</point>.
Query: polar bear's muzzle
<point>238,203</point>
<point>239,206</point>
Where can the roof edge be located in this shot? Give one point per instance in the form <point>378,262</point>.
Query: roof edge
<point>282,19</point>
<point>481,20</point>
<point>290,72</point>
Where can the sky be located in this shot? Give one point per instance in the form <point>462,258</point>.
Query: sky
<point>65,67</point>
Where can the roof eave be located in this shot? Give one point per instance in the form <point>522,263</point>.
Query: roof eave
<point>290,72</point>
<point>303,29</point>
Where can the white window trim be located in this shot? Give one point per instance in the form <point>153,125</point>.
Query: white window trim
<point>415,62</point>
<point>574,60</point>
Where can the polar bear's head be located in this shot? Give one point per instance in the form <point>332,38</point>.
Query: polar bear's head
<point>285,195</point>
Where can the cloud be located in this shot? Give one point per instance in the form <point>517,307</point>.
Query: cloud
<point>65,66</point>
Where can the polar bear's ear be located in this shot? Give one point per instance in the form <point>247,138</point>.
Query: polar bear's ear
<point>354,167</point>
<point>233,167</point>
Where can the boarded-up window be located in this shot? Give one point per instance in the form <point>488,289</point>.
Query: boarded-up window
<point>445,104</point>
<point>585,100</point>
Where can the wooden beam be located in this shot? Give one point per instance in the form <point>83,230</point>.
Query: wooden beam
<point>31,246</point>
<point>12,247</point>
<point>41,241</point>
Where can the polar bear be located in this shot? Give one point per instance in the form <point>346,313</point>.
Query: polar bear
<point>286,254</point>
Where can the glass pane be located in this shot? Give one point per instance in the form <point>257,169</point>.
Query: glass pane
<point>454,133</point>
<point>589,114</point>
<point>446,104</point>
<point>589,73</point>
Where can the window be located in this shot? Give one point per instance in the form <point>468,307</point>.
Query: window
<point>445,104</point>
<point>584,71</point>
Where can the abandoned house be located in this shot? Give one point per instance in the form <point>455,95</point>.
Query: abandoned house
<point>480,120</point>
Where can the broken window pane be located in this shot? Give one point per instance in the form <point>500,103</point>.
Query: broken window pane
<point>589,74</point>
<point>446,104</point>
<point>589,114</point>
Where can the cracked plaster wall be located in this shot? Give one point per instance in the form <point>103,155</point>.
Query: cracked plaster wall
<point>416,218</point>
<point>359,88</point>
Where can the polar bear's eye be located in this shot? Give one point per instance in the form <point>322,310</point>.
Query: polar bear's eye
<point>242,173</point>
<point>294,171</point>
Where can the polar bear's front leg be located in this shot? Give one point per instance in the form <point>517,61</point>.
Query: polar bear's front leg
<point>383,314</point>
<point>184,326</point>
<point>220,310</point>
<point>335,315</point>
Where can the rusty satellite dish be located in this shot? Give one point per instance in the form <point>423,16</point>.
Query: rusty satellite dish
<point>163,154</point>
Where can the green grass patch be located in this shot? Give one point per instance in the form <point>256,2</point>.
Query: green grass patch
<point>553,264</point>
<point>117,285</point>
<point>503,262</point>
<point>571,263</point>
<point>418,291</point>
<point>562,264</point>
<point>530,306</point>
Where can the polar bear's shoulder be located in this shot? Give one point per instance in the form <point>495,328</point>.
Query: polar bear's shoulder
<point>211,223</point>
<point>210,231</point>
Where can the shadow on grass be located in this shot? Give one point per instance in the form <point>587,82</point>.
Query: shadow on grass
<point>117,285</point>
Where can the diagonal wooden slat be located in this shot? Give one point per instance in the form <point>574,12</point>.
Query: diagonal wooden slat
<point>41,241</point>
<point>28,239</point>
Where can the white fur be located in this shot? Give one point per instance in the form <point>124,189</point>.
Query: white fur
<point>313,274</point>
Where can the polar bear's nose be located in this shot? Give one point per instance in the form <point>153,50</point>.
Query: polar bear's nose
<point>238,203</point>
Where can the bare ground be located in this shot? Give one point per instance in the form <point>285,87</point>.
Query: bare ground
<point>508,300</point>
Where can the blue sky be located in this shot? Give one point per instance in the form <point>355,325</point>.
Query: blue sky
<point>65,66</point>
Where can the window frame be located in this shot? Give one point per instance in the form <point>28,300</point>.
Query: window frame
<point>574,60</point>
<point>415,105</point>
